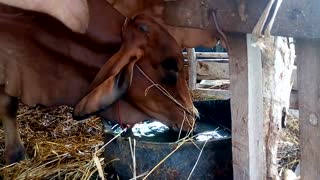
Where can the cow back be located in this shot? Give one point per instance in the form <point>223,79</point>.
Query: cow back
<point>43,62</point>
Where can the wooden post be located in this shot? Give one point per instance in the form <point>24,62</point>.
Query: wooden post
<point>247,109</point>
<point>258,98</point>
<point>192,68</point>
<point>277,60</point>
<point>308,57</point>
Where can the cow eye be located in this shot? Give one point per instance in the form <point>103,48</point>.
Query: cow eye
<point>144,28</point>
<point>171,71</point>
<point>170,64</point>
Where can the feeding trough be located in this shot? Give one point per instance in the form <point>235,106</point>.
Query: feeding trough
<point>207,155</point>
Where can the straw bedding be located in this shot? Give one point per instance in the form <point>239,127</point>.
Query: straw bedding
<point>57,146</point>
<point>60,148</point>
<point>288,150</point>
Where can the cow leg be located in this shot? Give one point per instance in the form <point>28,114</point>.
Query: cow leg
<point>14,150</point>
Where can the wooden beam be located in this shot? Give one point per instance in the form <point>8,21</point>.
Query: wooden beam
<point>192,68</point>
<point>246,109</point>
<point>225,94</point>
<point>294,79</point>
<point>200,55</point>
<point>213,70</point>
<point>295,18</point>
<point>219,69</point>
<point>294,100</point>
<point>213,93</point>
<point>308,58</point>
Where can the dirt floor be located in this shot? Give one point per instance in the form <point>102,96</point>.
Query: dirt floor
<point>60,148</point>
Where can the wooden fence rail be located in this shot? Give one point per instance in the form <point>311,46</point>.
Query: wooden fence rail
<point>220,55</point>
<point>215,69</point>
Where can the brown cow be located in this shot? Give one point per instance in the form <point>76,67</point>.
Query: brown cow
<point>186,37</point>
<point>43,62</point>
<point>74,14</point>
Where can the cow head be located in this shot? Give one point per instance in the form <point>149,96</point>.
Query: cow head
<point>148,60</point>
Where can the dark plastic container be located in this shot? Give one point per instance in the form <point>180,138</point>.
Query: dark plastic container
<point>215,161</point>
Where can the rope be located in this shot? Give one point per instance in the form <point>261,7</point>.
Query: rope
<point>163,90</point>
<point>224,37</point>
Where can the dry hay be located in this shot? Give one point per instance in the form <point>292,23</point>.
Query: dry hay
<point>58,147</point>
<point>61,148</point>
<point>288,150</point>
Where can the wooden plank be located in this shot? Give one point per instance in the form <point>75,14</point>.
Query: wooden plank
<point>255,113</point>
<point>294,100</point>
<point>295,18</point>
<point>246,109</point>
<point>213,93</point>
<point>214,60</point>
<point>225,94</point>
<point>294,80</point>
<point>214,84</point>
<point>192,68</point>
<point>219,69</point>
<point>308,58</point>
<point>200,55</point>
<point>213,70</point>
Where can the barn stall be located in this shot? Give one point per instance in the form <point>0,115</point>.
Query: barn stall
<point>259,82</point>
<point>260,78</point>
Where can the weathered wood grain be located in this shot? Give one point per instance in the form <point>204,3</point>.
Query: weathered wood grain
<point>192,68</point>
<point>295,18</point>
<point>277,61</point>
<point>199,55</point>
<point>247,109</point>
<point>308,58</point>
<point>212,70</point>
<point>225,94</point>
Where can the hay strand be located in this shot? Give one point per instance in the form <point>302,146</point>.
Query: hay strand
<point>57,146</point>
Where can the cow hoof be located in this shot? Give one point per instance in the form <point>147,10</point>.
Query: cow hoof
<point>14,155</point>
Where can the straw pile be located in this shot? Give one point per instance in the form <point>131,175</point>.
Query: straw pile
<point>58,147</point>
<point>288,150</point>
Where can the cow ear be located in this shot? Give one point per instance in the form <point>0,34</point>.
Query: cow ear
<point>110,84</point>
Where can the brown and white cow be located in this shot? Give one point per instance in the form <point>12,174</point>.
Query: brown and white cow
<point>44,62</point>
